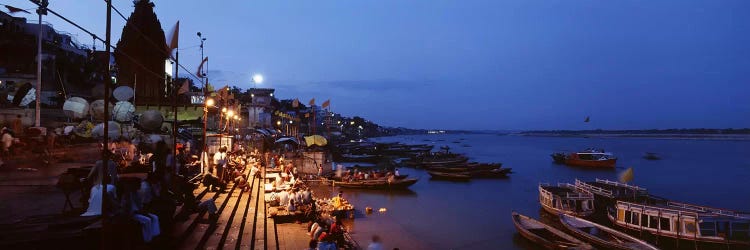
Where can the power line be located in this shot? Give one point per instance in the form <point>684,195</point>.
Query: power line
<point>159,75</point>
<point>160,48</point>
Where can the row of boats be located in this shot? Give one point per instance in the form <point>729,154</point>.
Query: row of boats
<point>441,165</point>
<point>631,209</point>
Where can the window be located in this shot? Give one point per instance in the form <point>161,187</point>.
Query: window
<point>628,218</point>
<point>635,218</point>
<point>665,225</point>
<point>644,220</point>
<point>653,222</point>
<point>708,228</point>
<point>690,227</point>
<point>740,231</point>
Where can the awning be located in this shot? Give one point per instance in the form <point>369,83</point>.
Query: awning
<point>287,140</point>
<point>315,140</point>
<point>262,131</point>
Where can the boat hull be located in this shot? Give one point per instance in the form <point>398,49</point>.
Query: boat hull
<point>383,185</point>
<point>609,163</point>
<point>632,243</point>
<point>449,176</point>
<point>573,243</point>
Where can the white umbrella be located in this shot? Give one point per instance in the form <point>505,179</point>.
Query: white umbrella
<point>123,111</point>
<point>97,109</point>
<point>151,119</point>
<point>76,107</point>
<point>114,130</point>
<point>123,93</point>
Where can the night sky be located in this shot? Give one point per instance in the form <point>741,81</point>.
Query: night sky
<point>496,64</point>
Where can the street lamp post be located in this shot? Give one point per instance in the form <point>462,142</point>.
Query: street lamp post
<point>205,99</point>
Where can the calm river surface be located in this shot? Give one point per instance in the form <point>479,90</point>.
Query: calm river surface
<point>476,215</point>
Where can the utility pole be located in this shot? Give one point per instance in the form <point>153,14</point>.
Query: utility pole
<point>105,152</point>
<point>42,10</point>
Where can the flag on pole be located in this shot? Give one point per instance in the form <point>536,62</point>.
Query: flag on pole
<point>173,39</point>
<point>295,103</point>
<point>307,115</point>
<point>184,88</point>
<point>627,175</point>
<point>326,103</point>
<point>312,102</point>
<point>12,9</point>
<point>200,68</point>
<point>587,119</point>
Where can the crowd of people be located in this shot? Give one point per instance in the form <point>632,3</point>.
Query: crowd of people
<point>149,199</point>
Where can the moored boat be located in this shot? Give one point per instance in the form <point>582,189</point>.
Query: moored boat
<point>545,235</point>
<point>565,199</point>
<point>490,173</point>
<point>587,158</point>
<point>449,176</point>
<point>693,224</point>
<point>602,236</point>
<point>651,156</point>
<point>377,184</point>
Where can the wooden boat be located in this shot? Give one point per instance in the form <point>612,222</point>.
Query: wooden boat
<point>377,184</point>
<point>545,235</point>
<point>587,158</point>
<point>613,190</point>
<point>651,156</point>
<point>565,199</point>
<point>449,176</point>
<point>491,173</point>
<point>359,158</point>
<point>693,224</point>
<point>601,236</point>
<point>463,167</point>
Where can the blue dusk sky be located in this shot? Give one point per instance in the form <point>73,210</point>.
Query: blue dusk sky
<point>496,64</point>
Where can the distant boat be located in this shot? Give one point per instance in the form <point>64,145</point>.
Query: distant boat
<point>449,176</point>
<point>566,199</point>
<point>651,156</point>
<point>586,158</point>
<point>545,235</point>
<point>601,236</point>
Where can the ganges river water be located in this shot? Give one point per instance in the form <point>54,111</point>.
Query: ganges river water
<point>477,215</point>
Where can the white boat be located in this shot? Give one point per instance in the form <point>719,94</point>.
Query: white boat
<point>565,199</point>
<point>699,225</point>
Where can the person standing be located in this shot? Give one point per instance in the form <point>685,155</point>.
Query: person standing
<point>17,125</point>
<point>94,175</point>
<point>375,244</point>
<point>7,142</point>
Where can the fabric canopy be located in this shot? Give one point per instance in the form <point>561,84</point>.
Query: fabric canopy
<point>288,140</point>
<point>315,140</point>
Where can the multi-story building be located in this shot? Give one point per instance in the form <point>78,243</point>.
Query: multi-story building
<point>260,109</point>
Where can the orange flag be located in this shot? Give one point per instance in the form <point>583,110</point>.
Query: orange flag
<point>312,102</point>
<point>184,88</point>
<point>173,39</point>
<point>295,103</point>
<point>200,68</point>
<point>326,103</point>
